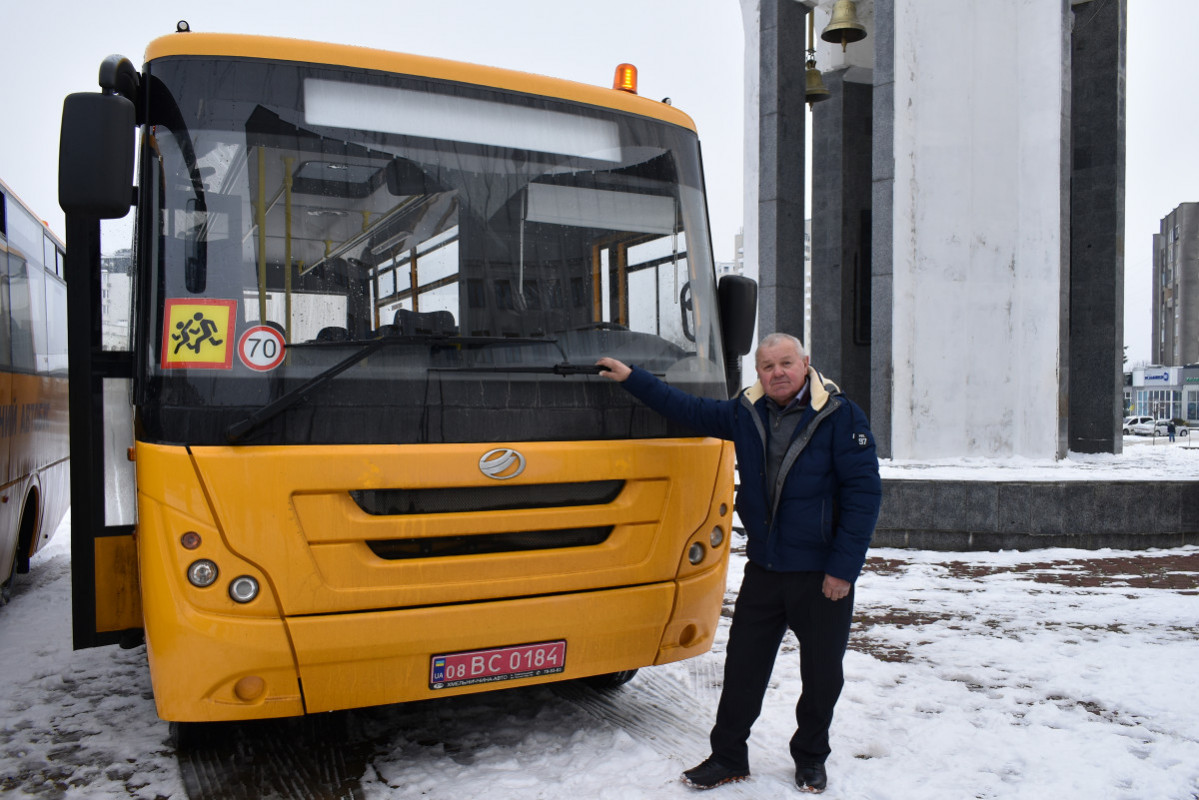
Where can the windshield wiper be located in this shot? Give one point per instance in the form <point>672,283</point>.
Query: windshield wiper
<point>434,339</point>
<point>565,368</point>
<point>272,409</point>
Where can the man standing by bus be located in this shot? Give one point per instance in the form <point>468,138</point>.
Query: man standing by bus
<point>809,500</point>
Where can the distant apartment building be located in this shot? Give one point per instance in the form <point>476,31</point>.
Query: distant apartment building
<point>737,265</point>
<point>1176,288</point>
<point>116,299</point>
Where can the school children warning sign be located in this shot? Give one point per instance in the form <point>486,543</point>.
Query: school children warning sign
<point>198,334</point>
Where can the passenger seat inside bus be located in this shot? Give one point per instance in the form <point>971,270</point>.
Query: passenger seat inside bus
<point>429,323</point>
<point>332,334</point>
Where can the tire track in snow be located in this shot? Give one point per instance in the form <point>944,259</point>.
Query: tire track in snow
<point>670,708</point>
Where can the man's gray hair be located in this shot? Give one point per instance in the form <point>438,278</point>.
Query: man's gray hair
<point>778,338</point>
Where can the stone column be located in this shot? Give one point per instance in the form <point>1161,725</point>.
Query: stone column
<point>882,213</point>
<point>1096,299</point>
<point>841,235</point>
<point>781,167</point>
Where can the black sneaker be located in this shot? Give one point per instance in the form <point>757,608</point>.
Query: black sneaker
<point>811,778</point>
<point>711,773</point>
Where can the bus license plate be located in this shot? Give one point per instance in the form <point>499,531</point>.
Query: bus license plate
<point>497,664</point>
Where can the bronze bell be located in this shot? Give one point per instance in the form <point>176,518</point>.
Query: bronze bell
<point>844,27</point>
<point>815,90</point>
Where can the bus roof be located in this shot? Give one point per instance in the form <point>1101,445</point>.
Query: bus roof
<point>298,50</point>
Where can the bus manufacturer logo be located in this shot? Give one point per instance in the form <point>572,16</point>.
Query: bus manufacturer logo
<point>502,463</point>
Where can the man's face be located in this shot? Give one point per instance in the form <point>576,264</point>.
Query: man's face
<point>782,371</point>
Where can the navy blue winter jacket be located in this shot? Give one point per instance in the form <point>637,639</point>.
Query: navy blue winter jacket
<point>823,515</point>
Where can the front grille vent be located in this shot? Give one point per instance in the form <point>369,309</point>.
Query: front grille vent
<point>393,502</point>
<point>514,542</point>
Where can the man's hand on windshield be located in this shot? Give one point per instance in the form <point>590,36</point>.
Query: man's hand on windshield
<point>611,368</point>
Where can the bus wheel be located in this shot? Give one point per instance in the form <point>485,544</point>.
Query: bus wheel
<point>24,543</point>
<point>611,680</point>
<point>25,536</point>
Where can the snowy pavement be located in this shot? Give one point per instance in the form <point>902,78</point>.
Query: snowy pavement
<point>1144,458</point>
<point>1055,673</point>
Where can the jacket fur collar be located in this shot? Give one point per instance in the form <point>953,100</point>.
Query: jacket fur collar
<point>819,388</point>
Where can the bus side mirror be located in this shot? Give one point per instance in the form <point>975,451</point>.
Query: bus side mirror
<point>95,155</point>
<point>738,300</point>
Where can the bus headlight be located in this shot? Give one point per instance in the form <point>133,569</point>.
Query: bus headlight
<point>695,553</point>
<point>717,537</point>
<point>243,589</point>
<point>202,573</point>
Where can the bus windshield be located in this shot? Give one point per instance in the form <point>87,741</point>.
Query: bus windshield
<point>398,253</point>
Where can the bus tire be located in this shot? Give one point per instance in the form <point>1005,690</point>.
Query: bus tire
<point>610,680</point>
<point>26,532</point>
<point>20,553</point>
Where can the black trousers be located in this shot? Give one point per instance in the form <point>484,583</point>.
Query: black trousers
<point>769,604</point>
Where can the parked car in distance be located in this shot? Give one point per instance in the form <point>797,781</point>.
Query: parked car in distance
<point>1160,428</point>
<point>1130,422</point>
<point>1148,426</point>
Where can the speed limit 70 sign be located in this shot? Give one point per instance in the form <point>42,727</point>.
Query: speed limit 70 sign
<point>261,348</point>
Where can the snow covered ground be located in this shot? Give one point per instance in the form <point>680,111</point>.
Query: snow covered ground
<point>1054,673</point>
<point>1144,458</point>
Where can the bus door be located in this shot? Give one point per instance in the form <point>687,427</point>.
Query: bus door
<point>106,603</point>
<point>96,154</point>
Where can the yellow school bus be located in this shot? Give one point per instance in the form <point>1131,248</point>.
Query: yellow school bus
<point>372,457</point>
<point>34,469</point>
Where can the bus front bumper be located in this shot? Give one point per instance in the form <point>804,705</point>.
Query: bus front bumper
<point>218,667</point>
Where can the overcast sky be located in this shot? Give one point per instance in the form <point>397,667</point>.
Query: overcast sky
<point>1162,168</point>
<point>688,50</point>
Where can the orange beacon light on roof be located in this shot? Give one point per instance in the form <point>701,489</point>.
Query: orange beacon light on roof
<point>625,79</point>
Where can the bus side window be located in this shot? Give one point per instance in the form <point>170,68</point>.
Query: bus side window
<point>20,323</point>
<point>6,307</point>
